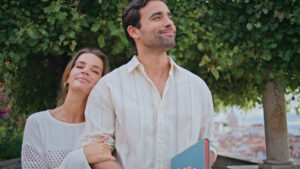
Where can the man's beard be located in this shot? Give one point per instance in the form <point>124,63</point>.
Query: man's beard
<point>167,43</point>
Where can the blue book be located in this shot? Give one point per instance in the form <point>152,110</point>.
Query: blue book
<point>196,156</point>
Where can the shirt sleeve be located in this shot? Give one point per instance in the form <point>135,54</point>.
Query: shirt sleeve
<point>75,159</point>
<point>31,155</point>
<point>207,128</point>
<point>100,115</point>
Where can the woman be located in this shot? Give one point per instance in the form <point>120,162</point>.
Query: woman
<point>52,138</point>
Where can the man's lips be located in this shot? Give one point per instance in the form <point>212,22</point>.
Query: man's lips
<point>167,32</point>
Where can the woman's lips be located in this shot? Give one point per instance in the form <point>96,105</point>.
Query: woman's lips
<point>82,79</point>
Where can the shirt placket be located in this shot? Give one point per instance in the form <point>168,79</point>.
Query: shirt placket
<point>161,148</point>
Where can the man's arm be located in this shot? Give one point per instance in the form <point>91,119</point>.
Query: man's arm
<point>106,165</point>
<point>207,128</point>
<point>100,116</point>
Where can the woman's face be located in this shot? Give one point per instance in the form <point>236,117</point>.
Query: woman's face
<point>85,74</point>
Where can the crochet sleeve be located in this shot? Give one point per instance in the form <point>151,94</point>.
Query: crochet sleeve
<point>31,155</point>
<point>75,159</point>
<point>34,155</point>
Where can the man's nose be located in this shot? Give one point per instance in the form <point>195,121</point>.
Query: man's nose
<point>169,22</point>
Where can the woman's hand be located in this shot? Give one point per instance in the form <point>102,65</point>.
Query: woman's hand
<point>97,151</point>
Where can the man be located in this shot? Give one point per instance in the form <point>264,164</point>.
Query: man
<point>150,108</point>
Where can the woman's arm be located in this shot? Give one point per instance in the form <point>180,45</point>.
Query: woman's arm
<point>94,152</point>
<point>31,155</point>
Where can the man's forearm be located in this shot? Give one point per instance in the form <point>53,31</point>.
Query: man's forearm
<point>105,165</point>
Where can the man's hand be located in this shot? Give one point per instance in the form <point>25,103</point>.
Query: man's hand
<point>97,151</point>
<point>212,158</point>
<point>189,167</point>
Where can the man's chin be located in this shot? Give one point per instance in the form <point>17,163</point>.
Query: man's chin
<point>167,43</point>
<point>168,46</point>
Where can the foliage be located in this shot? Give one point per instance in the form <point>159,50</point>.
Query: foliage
<point>38,40</point>
<point>235,46</point>
<point>10,147</point>
<point>4,101</point>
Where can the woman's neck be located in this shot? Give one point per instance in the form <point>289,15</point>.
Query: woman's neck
<point>72,111</point>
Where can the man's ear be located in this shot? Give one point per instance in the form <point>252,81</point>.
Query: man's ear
<point>133,32</point>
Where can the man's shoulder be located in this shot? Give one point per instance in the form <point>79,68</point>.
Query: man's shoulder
<point>115,74</point>
<point>190,75</point>
<point>197,83</point>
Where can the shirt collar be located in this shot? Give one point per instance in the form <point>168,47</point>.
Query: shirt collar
<point>134,63</point>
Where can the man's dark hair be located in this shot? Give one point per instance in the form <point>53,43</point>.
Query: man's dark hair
<point>131,16</point>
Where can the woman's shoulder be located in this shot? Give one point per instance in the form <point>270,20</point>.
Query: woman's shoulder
<point>38,117</point>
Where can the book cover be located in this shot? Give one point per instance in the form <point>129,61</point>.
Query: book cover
<point>196,156</point>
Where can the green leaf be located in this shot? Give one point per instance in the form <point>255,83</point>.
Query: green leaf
<point>215,73</point>
<point>73,45</point>
<point>257,25</point>
<point>96,27</point>
<point>287,55</point>
<point>278,36</point>
<point>71,34</point>
<point>267,55</point>
<point>205,59</point>
<point>61,37</point>
<point>265,10</point>
<point>200,46</point>
<point>101,41</point>
<point>32,34</point>
<point>273,45</point>
<point>249,26</point>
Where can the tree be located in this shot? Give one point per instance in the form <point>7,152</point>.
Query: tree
<point>38,39</point>
<point>239,46</point>
<point>248,53</point>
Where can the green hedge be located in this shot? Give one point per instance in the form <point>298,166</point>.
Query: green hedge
<point>11,147</point>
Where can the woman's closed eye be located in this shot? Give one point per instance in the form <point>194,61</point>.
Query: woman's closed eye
<point>95,71</point>
<point>79,66</point>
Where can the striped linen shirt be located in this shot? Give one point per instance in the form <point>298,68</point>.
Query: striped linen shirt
<point>147,130</point>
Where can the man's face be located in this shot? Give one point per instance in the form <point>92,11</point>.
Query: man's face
<point>157,27</point>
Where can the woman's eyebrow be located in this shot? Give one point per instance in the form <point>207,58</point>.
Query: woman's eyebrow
<point>95,66</point>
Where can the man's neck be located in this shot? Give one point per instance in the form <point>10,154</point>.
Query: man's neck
<point>157,67</point>
<point>155,62</point>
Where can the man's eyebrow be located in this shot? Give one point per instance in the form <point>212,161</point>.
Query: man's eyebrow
<point>156,13</point>
<point>160,13</point>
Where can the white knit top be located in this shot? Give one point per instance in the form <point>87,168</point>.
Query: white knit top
<point>49,143</point>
